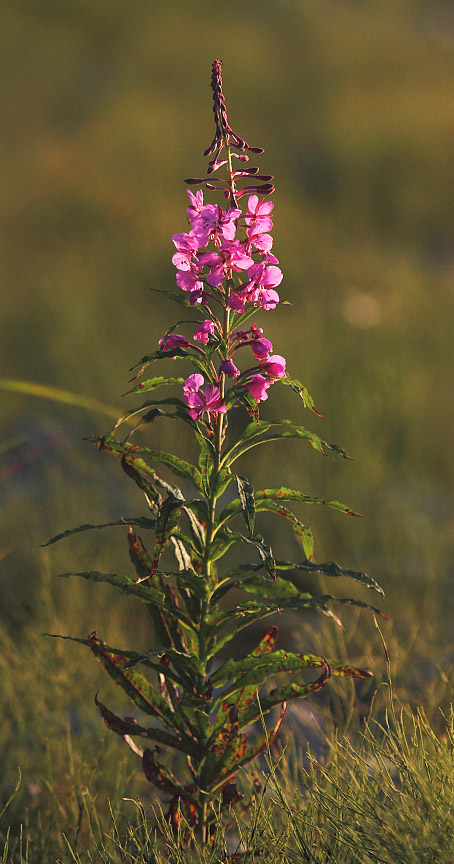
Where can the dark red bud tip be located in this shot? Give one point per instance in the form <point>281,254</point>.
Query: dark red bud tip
<point>210,186</point>
<point>194,180</point>
<point>256,149</point>
<point>266,189</point>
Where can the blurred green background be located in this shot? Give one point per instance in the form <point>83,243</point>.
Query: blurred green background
<point>106,107</point>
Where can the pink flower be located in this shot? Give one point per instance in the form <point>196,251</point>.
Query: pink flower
<point>262,242</point>
<point>204,330</point>
<point>275,366</point>
<point>209,402</point>
<point>261,348</point>
<point>212,221</point>
<point>196,203</point>
<point>187,245</point>
<point>193,383</point>
<point>260,289</point>
<point>257,386</point>
<point>191,281</point>
<point>228,368</point>
<point>231,256</point>
<point>236,302</point>
<point>171,341</point>
<point>257,217</point>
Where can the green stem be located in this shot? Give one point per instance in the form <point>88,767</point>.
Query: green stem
<point>212,501</point>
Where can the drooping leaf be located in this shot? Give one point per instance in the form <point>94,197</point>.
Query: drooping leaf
<point>168,517</point>
<point>164,780</point>
<point>178,466</point>
<point>303,532</point>
<point>141,590</point>
<point>130,726</point>
<point>246,497</point>
<point>135,685</point>
<point>302,392</point>
<point>225,538</point>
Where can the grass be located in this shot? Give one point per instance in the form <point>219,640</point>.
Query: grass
<point>384,794</point>
<point>357,776</point>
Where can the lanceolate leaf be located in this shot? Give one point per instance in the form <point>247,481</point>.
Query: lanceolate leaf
<point>330,568</point>
<point>286,494</point>
<point>302,392</point>
<point>281,695</point>
<point>129,726</point>
<point>258,433</point>
<point>246,497</point>
<point>152,384</point>
<point>178,466</point>
<point>301,601</point>
<point>303,532</point>
<point>226,538</point>
<point>168,517</point>
<point>265,646</point>
<point>264,742</point>
<point>254,670</point>
<point>128,586</point>
<point>138,522</point>
<point>245,572</point>
<point>135,685</point>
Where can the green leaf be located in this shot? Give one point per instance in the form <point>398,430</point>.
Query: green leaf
<point>265,646</point>
<point>302,392</point>
<point>168,518</point>
<point>255,434</point>
<point>142,590</point>
<point>177,298</point>
<point>246,497</point>
<point>138,522</point>
<point>129,726</point>
<point>281,695</point>
<point>135,685</point>
<point>303,532</point>
<point>163,779</point>
<point>285,494</point>
<point>330,568</point>
<point>225,538</point>
<point>195,584</point>
<point>176,352</point>
<point>297,601</point>
<point>255,670</point>
<point>246,572</point>
<point>152,384</point>
<point>246,399</point>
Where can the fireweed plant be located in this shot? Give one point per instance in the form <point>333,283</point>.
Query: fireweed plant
<point>202,705</point>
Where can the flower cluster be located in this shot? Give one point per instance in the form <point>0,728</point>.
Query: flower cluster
<point>225,260</point>
<point>201,269</point>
